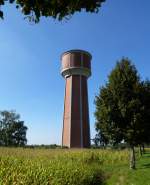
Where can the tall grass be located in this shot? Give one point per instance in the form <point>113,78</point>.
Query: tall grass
<point>56,167</point>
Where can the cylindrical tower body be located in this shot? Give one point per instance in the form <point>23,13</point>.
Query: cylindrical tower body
<point>76,68</point>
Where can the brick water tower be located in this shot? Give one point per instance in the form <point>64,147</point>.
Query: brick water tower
<point>76,68</point>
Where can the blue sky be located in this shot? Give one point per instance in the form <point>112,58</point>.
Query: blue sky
<point>30,76</point>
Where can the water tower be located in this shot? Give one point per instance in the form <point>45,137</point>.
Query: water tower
<point>76,68</point>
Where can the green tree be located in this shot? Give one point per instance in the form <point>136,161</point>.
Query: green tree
<point>144,96</point>
<point>99,140</point>
<point>119,108</point>
<point>58,9</point>
<point>12,130</point>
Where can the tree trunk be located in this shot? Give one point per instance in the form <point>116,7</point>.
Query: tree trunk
<point>132,158</point>
<point>143,149</point>
<point>140,150</point>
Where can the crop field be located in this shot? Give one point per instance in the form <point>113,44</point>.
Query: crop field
<point>21,166</point>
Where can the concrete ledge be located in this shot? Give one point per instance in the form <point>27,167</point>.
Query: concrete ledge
<point>76,71</point>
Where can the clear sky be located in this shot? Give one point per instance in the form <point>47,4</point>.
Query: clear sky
<point>30,80</point>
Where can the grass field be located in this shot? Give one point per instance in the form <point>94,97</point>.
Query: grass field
<point>20,166</point>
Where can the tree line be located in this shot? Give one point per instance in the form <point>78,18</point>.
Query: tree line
<point>123,109</point>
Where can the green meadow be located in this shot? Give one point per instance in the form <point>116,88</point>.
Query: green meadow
<point>21,166</point>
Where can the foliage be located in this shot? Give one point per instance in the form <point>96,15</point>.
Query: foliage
<point>117,105</point>
<point>12,130</point>
<point>42,146</point>
<point>57,9</point>
<point>144,96</point>
<point>120,108</point>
